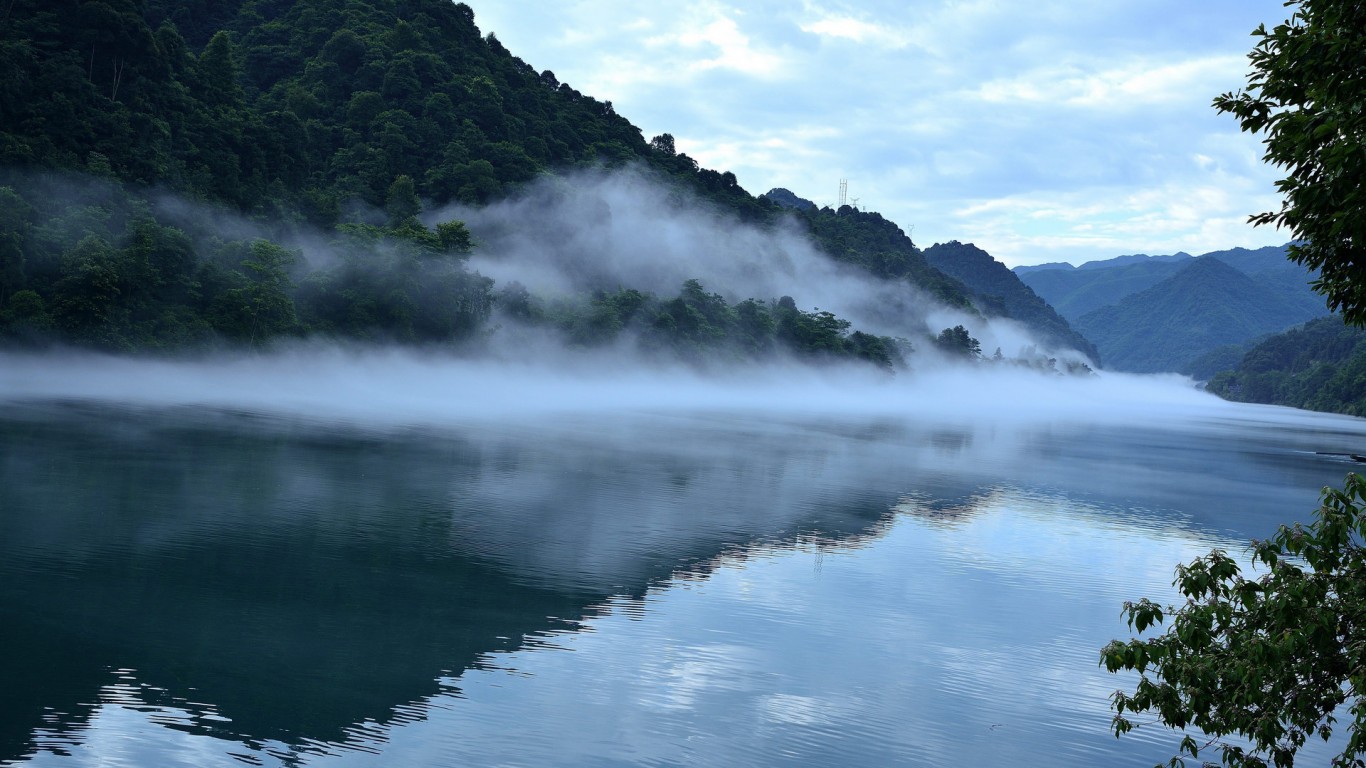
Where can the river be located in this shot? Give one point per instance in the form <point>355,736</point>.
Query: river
<point>202,583</point>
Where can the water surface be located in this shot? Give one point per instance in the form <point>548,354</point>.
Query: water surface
<point>208,586</point>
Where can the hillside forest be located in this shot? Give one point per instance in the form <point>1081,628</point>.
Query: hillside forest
<point>180,176</point>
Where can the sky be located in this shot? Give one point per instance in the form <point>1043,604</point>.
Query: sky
<point>1053,130</point>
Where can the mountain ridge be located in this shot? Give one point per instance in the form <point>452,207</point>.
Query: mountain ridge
<point>1205,305</point>
<point>993,283</point>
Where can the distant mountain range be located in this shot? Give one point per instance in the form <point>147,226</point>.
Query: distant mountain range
<point>1170,313</point>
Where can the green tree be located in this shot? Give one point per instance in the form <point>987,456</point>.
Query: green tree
<point>15,216</point>
<point>1268,659</point>
<point>401,203</point>
<point>1307,94</point>
<point>88,296</point>
<point>260,307</point>
<point>957,341</point>
<point>218,72</point>
<point>454,237</point>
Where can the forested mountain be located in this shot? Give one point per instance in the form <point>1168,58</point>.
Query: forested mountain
<point>1320,366</point>
<point>1076,291</point>
<point>1206,305</point>
<point>1117,261</point>
<point>125,124</point>
<point>300,108</point>
<point>953,272</point>
<point>877,245</point>
<point>995,287</point>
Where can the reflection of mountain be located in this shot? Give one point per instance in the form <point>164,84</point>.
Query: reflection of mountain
<point>305,583</point>
<point>308,585</point>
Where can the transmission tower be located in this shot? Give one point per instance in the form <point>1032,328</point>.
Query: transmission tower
<point>844,192</point>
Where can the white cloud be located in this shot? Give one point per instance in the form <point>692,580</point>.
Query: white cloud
<point>733,48</point>
<point>1131,85</point>
<point>856,30</point>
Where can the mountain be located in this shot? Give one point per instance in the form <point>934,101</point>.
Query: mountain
<point>1134,258</point>
<point>788,199</point>
<point>1075,291</point>
<point>1025,269</point>
<point>130,131</point>
<point>1320,366</point>
<point>1205,305</point>
<point>996,287</point>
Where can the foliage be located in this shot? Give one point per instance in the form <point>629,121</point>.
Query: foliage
<point>1268,659</point>
<point>1320,366</point>
<point>1305,94</point>
<point>699,327</point>
<point>958,342</point>
<point>349,117</point>
<point>880,247</point>
<point>101,270</point>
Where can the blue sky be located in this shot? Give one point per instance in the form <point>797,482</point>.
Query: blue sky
<point>1052,130</point>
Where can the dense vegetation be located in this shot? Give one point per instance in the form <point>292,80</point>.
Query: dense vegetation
<point>1320,367</point>
<point>701,327</point>
<point>994,286</point>
<point>342,117</point>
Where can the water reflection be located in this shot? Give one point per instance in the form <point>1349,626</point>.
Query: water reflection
<point>178,587</point>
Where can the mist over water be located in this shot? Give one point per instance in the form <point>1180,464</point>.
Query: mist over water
<point>366,558</point>
<point>403,387</point>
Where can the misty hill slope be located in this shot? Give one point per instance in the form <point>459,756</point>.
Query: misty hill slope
<point>998,288</point>
<point>319,157</point>
<point>1320,366</point>
<point>1206,305</point>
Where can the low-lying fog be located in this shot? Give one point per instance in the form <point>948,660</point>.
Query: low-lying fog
<point>567,237</point>
<point>396,387</point>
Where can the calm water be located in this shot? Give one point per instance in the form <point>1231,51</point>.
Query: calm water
<point>187,586</point>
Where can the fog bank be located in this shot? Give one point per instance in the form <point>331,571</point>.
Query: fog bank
<point>397,387</point>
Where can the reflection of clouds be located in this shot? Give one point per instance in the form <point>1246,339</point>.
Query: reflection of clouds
<point>132,724</point>
<point>797,710</point>
<point>685,674</point>
<point>908,642</point>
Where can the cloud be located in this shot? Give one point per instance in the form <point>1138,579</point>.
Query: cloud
<point>932,108</point>
<point>733,50</point>
<point>1131,85</point>
<point>856,30</point>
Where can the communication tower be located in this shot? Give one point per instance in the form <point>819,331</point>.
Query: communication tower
<point>844,193</point>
